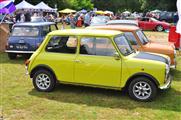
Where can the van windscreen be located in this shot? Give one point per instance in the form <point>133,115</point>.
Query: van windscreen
<point>25,31</point>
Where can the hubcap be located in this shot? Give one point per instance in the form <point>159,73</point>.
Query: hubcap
<point>142,90</point>
<point>159,28</point>
<point>43,81</point>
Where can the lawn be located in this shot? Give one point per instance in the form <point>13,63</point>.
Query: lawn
<point>20,101</point>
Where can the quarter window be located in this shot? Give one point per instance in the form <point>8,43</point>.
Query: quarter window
<point>96,46</point>
<point>62,44</point>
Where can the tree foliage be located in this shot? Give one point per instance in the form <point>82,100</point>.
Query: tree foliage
<point>112,5</point>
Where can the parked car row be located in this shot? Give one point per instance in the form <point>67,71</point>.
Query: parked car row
<point>145,23</point>
<point>106,56</point>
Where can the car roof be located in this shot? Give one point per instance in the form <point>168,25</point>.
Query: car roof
<point>115,27</point>
<point>34,23</point>
<point>127,22</point>
<point>85,32</point>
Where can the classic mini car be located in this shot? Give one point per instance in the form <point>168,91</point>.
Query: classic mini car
<point>147,23</point>
<point>97,58</point>
<point>27,37</point>
<point>140,42</point>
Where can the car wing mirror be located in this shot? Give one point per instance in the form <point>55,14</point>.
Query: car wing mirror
<point>116,56</point>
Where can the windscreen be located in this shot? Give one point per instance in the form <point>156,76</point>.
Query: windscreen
<point>25,31</point>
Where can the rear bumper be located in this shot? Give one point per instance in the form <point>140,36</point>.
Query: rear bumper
<point>168,83</point>
<point>20,52</point>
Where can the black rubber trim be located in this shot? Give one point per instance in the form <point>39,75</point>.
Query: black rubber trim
<point>144,74</point>
<point>41,66</point>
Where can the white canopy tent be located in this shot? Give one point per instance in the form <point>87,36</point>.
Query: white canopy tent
<point>25,5</point>
<point>45,7</point>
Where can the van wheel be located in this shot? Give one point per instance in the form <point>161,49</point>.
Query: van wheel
<point>27,56</point>
<point>159,28</point>
<point>142,89</point>
<point>12,56</point>
<point>44,81</point>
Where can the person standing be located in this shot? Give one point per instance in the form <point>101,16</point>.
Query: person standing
<point>87,19</point>
<point>72,21</point>
<point>27,17</point>
<point>179,15</point>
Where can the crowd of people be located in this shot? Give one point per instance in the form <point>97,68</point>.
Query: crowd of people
<point>77,19</point>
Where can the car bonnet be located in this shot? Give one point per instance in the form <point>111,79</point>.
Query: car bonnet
<point>150,56</point>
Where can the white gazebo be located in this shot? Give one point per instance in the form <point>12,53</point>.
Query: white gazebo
<point>25,5</point>
<point>45,7</point>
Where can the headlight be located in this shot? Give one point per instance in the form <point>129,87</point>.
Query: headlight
<point>167,70</point>
<point>169,61</point>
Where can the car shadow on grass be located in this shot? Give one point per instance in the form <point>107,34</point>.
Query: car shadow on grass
<point>166,100</point>
<point>176,74</point>
<point>5,60</point>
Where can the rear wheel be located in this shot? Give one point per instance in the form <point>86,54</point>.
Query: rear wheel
<point>159,28</point>
<point>44,80</point>
<point>12,56</point>
<point>142,89</point>
<point>26,56</point>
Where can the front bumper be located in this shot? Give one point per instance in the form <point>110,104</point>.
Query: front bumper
<point>20,52</point>
<point>167,83</point>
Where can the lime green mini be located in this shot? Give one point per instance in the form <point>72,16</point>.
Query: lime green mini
<point>98,58</point>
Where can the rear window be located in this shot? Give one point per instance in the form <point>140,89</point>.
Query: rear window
<point>25,31</point>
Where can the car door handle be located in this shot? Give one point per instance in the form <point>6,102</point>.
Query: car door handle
<point>77,61</point>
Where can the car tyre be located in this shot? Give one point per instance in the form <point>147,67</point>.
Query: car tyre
<point>12,56</point>
<point>159,28</point>
<point>44,80</point>
<point>142,89</point>
<point>27,56</point>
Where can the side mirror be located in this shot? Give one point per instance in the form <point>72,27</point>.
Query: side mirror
<point>116,56</point>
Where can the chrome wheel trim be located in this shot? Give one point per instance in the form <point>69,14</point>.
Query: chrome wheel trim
<point>43,81</point>
<point>142,90</point>
<point>159,28</point>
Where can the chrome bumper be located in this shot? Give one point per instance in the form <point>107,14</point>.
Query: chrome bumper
<point>168,83</point>
<point>26,68</point>
<point>16,51</point>
<point>173,66</point>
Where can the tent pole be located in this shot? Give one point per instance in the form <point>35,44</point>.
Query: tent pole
<point>3,18</point>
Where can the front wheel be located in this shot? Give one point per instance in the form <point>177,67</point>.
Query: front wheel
<point>12,56</point>
<point>44,80</point>
<point>159,28</point>
<point>142,89</point>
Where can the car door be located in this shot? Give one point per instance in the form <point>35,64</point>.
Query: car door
<point>59,56</point>
<point>95,63</point>
<point>149,24</point>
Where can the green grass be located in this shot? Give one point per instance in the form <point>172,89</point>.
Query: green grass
<point>20,101</point>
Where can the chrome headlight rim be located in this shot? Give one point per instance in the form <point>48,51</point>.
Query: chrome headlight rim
<point>167,70</point>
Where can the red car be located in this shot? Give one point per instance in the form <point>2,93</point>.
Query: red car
<point>147,23</point>
<point>175,37</point>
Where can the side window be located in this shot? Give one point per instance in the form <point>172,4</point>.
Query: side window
<point>132,39</point>
<point>62,44</point>
<point>53,27</point>
<point>45,30</point>
<point>96,46</point>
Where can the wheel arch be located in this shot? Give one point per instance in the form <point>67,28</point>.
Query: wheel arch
<point>153,79</point>
<point>45,67</point>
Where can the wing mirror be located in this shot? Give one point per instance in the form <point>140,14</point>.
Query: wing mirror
<point>116,56</point>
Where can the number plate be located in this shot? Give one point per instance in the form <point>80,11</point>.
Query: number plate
<point>21,47</point>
